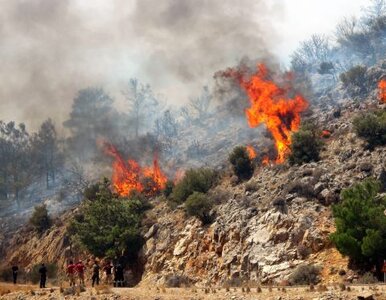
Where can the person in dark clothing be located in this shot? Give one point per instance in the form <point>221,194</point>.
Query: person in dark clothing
<point>15,270</point>
<point>107,268</point>
<point>118,275</point>
<point>43,276</point>
<point>95,274</point>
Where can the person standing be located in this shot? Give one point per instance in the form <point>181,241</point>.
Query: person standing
<point>71,268</point>
<point>107,268</point>
<point>15,270</point>
<point>80,267</point>
<point>118,275</point>
<point>95,273</point>
<point>43,276</point>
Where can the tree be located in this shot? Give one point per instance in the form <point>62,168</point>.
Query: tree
<point>361,223</point>
<point>199,205</point>
<point>46,149</point>
<point>241,163</point>
<point>109,226</point>
<point>40,219</point>
<point>199,106</point>
<point>142,104</point>
<point>306,145</point>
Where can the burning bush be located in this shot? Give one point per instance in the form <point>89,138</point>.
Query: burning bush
<point>40,219</point>
<point>195,180</point>
<point>109,226</point>
<point>372,128</point>
<point>199,205</point>
<point>305,147</point>
<point>241,163</point>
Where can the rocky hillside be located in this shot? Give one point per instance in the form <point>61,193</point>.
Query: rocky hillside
<point>262,230</point>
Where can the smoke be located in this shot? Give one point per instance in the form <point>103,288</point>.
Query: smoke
<point>52,48</point>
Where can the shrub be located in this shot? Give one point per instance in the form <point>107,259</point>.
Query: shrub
<point>372,128</point>
<point>176,281</point>
<point>199,205</point>
<point>109,226</point>
<point>326,68</point>
<point>168,188</point>
<point>92,191</point>
<point>368,278</point>
<point>355,79</point>
<point>34,276</point>
<point>305,275</point>
<point>40,219</point>
<point>241,163</point>
<point>305,147</point>
<point>302,189</point>
<point>195,180</point>
<point>360,223</point>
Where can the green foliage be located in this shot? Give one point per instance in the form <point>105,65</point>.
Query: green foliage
<point>199,205</point>
<point>40,219</point>
<point>168,188</point>
<point>241,163</point>
<point>34,276</point>
<point>109,226</point>
<point>372,128</point>
<point>92,192</point>
<point>195,180</point>
<point>306,146</point>
<point>305,275</point>
<point>361,223</point>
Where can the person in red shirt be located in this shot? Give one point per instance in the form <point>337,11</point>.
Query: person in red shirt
<point>71,269</point>
<point>80,267</point>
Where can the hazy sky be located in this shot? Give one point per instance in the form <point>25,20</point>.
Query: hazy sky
<point>50,49</point>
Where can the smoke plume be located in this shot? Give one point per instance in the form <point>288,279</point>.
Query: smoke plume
<point>52,48</point>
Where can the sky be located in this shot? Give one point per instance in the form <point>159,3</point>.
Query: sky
<point>52,48</point>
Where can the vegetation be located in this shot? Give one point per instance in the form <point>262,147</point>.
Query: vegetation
<point>109,226</point>
<point>306,146</point>
<point>355,77</point>
<point>241,163</point>
<point>199,205</point>
<point>34,276</point>
<point>372,128</point>
<point>195,180</point>
<point>40,219</point>
<point>361,223</point>
<point>368,278</point>
<point>305,275</point>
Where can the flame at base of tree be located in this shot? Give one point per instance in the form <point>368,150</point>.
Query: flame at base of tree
<point>382,90</point>
<point>271,105</point>
<point>251,152</point>
<point>128,176</point>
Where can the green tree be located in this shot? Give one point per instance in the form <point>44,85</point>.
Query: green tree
<point>40,219</point>
<point>108,225</point>
<point>241,163</point>
<point>199,205</point>
<point>372,128</point>
<point>195,180</point>
<point>305,146</point>
<point>361,223</point>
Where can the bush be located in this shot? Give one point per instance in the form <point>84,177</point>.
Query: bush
<point>199,205</point>
<point>360,223</point>
<point>305,275</point>
<point>40,219</point>
<point>176,281</point>
<point>109,226</point>
<point>195,180</point>
<point>34,276</point>
<point>372,128</point>
<point>305,147</point>
<point>241,163</point>
<point>168,188</point>
<point>368,278</point>
<point>302,189</point>
<point>355,78</point>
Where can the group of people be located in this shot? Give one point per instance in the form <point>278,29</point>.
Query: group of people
<point>77,271</point>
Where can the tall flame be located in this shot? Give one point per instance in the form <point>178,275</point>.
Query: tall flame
<point>382,90</point>
<point>269,104</point>
<point>128,176</point>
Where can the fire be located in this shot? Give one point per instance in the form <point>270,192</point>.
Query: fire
<point>251,152</point>
<point>269,104</point>
<point>326,134</point>
<point>128,176</point>
<point>382,90</point>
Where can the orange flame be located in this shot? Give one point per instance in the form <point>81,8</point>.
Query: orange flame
<point>326,134</point>
<point>271,105</point>
<point>128,176</point>
<point>382,90</point>
<point>251,152</point>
